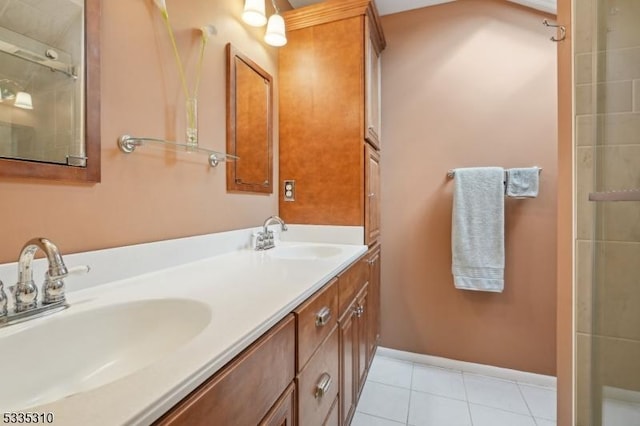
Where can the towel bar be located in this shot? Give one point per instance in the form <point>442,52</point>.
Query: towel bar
<point>452,173</point>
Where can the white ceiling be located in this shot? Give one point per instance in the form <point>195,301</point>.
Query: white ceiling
<point>387,7</point>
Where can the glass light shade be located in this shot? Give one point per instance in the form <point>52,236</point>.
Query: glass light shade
<point>23,100</point>
<point>254,13</point>
<point>276,33</point>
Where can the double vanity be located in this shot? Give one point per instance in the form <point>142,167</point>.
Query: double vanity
<point>229,335</point>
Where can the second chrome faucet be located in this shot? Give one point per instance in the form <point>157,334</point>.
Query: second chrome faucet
<point>265,238</point>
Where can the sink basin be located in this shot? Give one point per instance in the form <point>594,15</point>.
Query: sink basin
<point>71,353</point>
<point>305,252</point>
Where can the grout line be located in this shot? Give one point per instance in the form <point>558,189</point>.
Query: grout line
<point>413,366</point>
<point>466,396</point>
<point>531,385</point>
<point>506,411</point>
<point>525,402</point>
<point>439,395</point>
<point>377,417</point>
<point>387,384</point>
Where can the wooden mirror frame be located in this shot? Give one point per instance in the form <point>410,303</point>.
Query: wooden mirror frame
<point>232,184</point>
<point>61,172</point>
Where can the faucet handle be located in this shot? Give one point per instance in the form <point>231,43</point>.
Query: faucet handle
<point>3,301</point>
<point>53,289</point>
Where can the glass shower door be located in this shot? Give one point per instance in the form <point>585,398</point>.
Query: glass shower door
<point>607,95</point>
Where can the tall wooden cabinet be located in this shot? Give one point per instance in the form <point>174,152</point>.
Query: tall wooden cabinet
<point>329,90</point>
<point>330,141</point>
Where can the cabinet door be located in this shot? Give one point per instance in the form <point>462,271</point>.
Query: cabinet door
<point>348,361</point>
<point>282,413</point>
<point>333,419</point>
<point>372,195</point>
<point>363,353</point>
<point>373,259</point>
<point>372,92</point>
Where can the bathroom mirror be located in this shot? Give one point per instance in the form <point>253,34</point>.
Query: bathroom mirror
<point>249,124</point>
<point>50,89</point>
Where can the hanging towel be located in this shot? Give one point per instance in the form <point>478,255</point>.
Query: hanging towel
<point>477,233</point>
<point>522,182</point>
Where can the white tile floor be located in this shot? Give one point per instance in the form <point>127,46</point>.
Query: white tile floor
<point>404,393</point>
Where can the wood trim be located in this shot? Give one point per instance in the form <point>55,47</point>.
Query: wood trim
<point>283,412</point>
<point>334,10</point>
<point>565,222</point>
<point>232,185</point>
<point>59,172</point>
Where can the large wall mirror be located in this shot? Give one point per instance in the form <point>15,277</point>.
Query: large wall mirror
<point>249,124</point>
<point>50,89</point>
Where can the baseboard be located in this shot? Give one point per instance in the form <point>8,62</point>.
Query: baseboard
<point>618,394</point>
<point>470,367</point>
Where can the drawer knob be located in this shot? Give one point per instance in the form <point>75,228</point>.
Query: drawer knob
<point>323,386</point>
<point>323,316</point>
<point>358,311</point>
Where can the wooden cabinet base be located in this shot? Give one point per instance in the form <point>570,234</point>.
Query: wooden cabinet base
<point>244,391</point>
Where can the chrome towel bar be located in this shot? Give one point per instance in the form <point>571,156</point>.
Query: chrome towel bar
<point>452,173</point>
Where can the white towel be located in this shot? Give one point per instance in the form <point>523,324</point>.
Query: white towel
<point>477,234</point>
<point>522,182</point>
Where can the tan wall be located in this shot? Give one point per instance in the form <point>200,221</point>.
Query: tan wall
<point>469,83</point>
<point>152,194</point>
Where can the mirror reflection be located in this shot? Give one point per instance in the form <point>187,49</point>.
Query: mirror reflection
<point>249,124</point>
<point>41,81</point>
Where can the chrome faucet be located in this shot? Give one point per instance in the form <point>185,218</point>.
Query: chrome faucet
<point>265,239</point>
<point>25,292</point>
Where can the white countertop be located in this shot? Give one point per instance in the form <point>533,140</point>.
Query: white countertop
<point>247,291</point>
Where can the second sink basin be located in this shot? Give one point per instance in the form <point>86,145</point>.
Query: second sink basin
<point>305,251</point>
<point>70,353</point>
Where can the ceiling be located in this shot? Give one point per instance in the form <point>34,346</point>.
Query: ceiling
<point>387,7</point>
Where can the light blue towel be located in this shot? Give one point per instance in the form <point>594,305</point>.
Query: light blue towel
<point>477,234</point>
<point>522,182</point>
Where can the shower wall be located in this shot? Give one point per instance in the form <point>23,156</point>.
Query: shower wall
<point>607,106</point>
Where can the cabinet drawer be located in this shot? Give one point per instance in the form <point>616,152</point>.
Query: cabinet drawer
<point>316,318</point>
<point>314,406</point>
<point>243,392</point>
<point>351,282</point>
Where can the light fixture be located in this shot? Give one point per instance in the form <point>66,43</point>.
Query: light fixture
<point>276,32</point>
<point>254,13</point>
<point>23,100</point>
<point>12,91</point>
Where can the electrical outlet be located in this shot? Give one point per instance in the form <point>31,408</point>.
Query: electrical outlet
<point>289,190</point>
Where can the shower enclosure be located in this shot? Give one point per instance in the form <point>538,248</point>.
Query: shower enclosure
<point>607,123</point>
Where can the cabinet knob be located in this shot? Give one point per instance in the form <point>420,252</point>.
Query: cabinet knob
<point>371,261</point>
<point>371,195</point>
<point>323,385</point>
<point>323,316</point>
<point>358,311</point>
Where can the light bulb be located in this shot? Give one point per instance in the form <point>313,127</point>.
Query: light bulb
<point>276,33</point>
<point>23,100</point>
<point>254,13</point>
